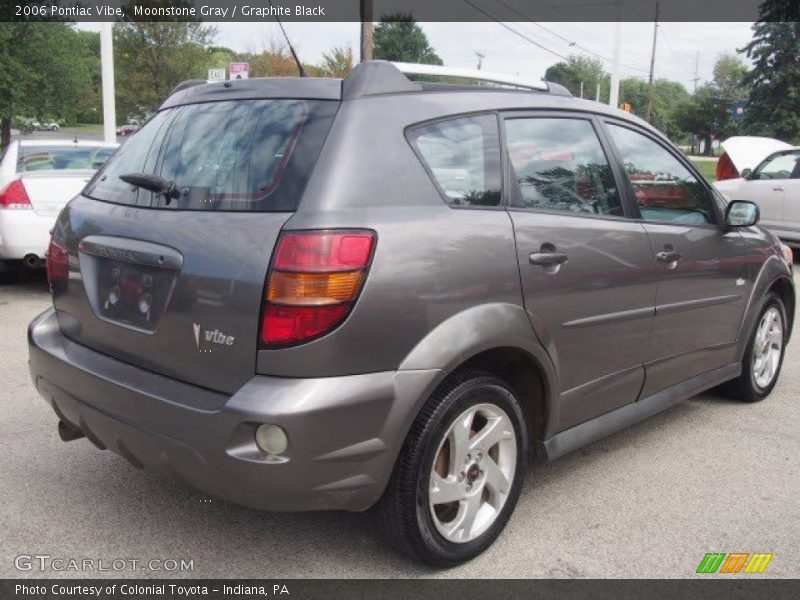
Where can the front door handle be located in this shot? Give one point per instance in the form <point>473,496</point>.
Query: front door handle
<point>669,256</point>
<point>777,188</point>
<point>547,259</point>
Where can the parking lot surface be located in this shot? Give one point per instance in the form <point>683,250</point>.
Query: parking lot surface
<point>708,475</point>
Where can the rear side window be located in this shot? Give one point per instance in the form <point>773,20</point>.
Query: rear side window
<point>463,157</point>
<point>234,155</point>
<point>61,158</point>
<point>559,164</point>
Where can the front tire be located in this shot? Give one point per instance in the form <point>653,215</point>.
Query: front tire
<point>459,473</point>
<point>763,356</point>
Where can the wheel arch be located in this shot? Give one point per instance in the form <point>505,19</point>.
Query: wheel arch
<point>497,339</point>
<point>775,277</point>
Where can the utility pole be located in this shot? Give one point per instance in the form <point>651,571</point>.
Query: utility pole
<point>107,75</point>
<point>480,59</point>
<point>613,97</point>
<point>597,96</point>
<point>365,12</point>
<point>581,90</point>
<point>648,110</point>
<point>696,70</point>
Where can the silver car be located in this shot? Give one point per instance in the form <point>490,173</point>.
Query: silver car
<point>775,186</point>
<point>321,294</point>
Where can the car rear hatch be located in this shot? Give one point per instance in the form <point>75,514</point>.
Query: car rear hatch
<point>174,282</point>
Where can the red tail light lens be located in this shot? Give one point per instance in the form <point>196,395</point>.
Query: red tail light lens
<point>15,196</point>
<point>57,262</point>
<point>313,282</point>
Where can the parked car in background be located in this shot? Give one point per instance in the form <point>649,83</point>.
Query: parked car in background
<point>37,178</point>
<point>50,126</point>
<point>323,294</point>
<point>743,152</point>
<point>127,129</point>
<point>775,186</point>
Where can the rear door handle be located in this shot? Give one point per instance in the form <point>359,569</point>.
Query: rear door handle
<point>668,256</point>
<point>777,189</point>
<point>547,259</point>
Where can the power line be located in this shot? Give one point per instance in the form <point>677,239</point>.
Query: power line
<point>514,31</point>
<point>570,43</point>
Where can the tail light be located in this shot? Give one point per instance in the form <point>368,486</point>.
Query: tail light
<point>15,196</point>
<point>57,262</point>
<point>314,279</point>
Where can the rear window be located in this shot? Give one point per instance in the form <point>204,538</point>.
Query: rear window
<point>234,155</point>
<point>61,158</point>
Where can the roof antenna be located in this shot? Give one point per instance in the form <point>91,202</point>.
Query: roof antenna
<point>289,43</point>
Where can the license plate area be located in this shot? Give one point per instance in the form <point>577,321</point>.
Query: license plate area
<point>128,282</point>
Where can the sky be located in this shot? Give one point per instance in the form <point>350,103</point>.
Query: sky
<point>681,48</point>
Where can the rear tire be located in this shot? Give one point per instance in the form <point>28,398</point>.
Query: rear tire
<point>763,357</point>
<point>468,448</point>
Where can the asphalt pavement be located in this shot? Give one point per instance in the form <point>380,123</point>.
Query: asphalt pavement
<point>708,475</point>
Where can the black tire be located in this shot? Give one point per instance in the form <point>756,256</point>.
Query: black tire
<point>403,513</point>
<point>745,387</point>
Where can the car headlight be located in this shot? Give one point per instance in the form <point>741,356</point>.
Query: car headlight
<point>788,255</point>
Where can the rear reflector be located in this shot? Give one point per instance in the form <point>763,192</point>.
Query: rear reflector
<point>15,196</point>
<point>313,282</point>
<point>56,262</point>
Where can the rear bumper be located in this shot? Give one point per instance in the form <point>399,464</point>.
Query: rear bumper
<point>344,432</point>
<point>23,232</point>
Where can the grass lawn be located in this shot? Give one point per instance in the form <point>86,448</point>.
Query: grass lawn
<point>87,128</point>
<point>708,168</point>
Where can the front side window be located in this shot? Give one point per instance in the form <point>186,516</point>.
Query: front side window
<point>665,189</point>
<point>463,156</point>
<point>231,155</point>
<point>559,164</point>
<point>781,166</point>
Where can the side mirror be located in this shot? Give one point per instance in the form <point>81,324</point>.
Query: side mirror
<point>741,213</point>
<point>746,173</point>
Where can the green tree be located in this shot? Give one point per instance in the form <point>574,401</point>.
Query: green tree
<point>580,69</point>
<point>668,96</point>
<point>729,77</point>
<point>152,58</point>
<point>399,38</point>
<point>338,62</point>
<point>45,72</point>
<point>774,106</point>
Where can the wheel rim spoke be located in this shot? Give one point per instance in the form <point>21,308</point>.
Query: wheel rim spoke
<point>496,481</point>
<point>495,430</point>
<point>445,489</point>
<point>459,440</point>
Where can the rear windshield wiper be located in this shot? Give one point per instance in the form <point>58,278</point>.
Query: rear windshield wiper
<point>153,183</point>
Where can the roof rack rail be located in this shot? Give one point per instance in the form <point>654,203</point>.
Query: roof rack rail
<point>473,74</point>
<point>376,77</point>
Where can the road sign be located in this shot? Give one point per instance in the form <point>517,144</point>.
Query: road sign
<point>738,109</point>
<point>239,70</point>
<point>216,74</point>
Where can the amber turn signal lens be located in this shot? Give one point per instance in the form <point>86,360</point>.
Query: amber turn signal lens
<point>313,289</point>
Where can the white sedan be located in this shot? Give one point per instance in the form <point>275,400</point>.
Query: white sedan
<point>775,186</point>
<point>37,178</point>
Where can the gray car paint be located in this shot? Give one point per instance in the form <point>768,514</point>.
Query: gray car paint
<point>445,285</point>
